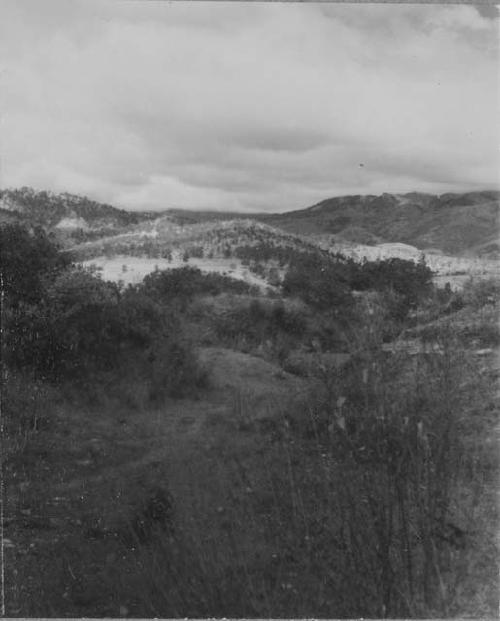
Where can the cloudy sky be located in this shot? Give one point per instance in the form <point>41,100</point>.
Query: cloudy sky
<point>246,106</point>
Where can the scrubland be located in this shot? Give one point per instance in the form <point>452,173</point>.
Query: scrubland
<point>194,446</point>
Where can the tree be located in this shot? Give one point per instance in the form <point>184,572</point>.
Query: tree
<point>406,280</point>
<point>27,259</point>
<point>319,282</point>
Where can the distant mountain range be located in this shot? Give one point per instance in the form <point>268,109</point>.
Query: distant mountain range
<point>464,224</point>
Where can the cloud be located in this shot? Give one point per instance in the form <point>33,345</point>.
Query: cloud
<point>246,105</point>
<point>489,11</point>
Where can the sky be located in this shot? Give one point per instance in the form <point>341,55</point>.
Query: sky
<point>247,106</point>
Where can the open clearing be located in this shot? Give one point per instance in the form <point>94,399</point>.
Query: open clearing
<point>132,270</point>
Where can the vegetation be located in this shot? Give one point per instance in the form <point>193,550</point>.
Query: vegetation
<point>182,284</point>
<point>452,223</point>
<point>364,505</point>
<point>412,281</point>
<point>323,284</point>
<point>64,323</point>
<point>46,208</point>
<point>160,459</point>
<point>27,260</point>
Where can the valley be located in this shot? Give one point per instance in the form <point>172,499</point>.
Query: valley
<point>207,416</point>
<point>249,310</point>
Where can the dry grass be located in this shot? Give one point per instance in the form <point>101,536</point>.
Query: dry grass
<point>374,496</point>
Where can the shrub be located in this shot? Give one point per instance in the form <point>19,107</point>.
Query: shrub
<point>320,283</point>
<point>481,292</point>
<point>27,259</point>
<point>182,284</point>
<point>84,326</point>
<point>359,502</point>
<point>172,370</point>
<point>73,326</point>
<point>407,279</point>
<point>27,405</point>
<point>261,322</point>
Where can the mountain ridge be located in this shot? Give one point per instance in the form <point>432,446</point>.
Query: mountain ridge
<point>454,223</point>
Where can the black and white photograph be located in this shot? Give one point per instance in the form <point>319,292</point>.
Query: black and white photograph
<point>249,305</point>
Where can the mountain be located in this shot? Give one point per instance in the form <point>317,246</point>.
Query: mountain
<point>458,224</point>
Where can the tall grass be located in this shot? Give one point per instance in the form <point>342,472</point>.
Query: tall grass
<point>370,500</point>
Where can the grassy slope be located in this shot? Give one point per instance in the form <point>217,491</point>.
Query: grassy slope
<point>80,479</point>
<point>74,486</point>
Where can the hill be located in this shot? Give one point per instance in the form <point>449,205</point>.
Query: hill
<point>245,249</point>
<point>456,224</point>
<point>250,250</point>
<point>464,224</point>
<point>67,215</point>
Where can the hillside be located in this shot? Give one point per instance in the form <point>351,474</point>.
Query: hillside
<point>458,233</point>
<point>456,224</point>
<point>249,250</point>
<point>193,447</point>
<point>465,225</point>
<point>67,215</point>
<point>245,249</point>
<point>215,238</point>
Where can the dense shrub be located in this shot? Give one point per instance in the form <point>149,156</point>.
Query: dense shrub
<point>173,370</point>
<point>408,279</point>
<point>182,284</point>
<point>65,324</point>
<point>81,324</point>
<point>27,259</point>
<point>321,283</point>
<point>258,323</point>
<point>481,292</point>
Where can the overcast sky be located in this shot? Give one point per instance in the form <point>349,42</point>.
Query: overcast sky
<point>243,106</point>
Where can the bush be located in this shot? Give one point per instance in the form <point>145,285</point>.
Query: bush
<point>172,370</point>
<point>320,283</point>
<point>482,292</point>
<point>179,286</point>
<point>261,322</point>
<point>27,260</point>
<point>74,326</point>
<point>411,281</point>
<point>64,324</point>
<point>27,405</point>
<point>86,330</point>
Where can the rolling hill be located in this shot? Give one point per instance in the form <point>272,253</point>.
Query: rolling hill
<point>464,224</point>
<point>453,230</point>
